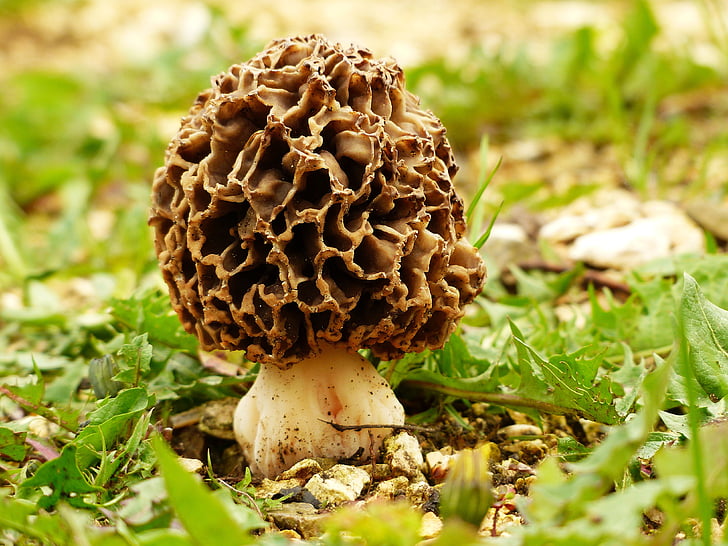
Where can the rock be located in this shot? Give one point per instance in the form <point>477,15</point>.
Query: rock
<point>619,232</point>
<point>191,465</point>
<point>341,483</point>
<point>438,463</point>
<point>297,494</point>
<point>603,211</point>
<point>300,517</point>
<point>430,526</point>
<point>519,430</point>
<point>42,427</point>
<point>499,522</point>
<point>302,470</point>
<point>216,418</point>
<point>391,489</point>
<point>637,243</point>
<point>378,472</point>
<point>404,456</point>
<point>423,496</point>
<point>273,488</point>
<point>290,535</point>
<point>713,217</point>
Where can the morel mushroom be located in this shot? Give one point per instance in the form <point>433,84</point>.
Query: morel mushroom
<point>305,211</point>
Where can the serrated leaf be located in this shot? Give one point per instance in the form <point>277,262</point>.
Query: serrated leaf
<point>629,378</point>
<point>205,517</point>
<point>560,508</point>
<point>567,380</point>
<point>151,311</point>
<point>704,328</point>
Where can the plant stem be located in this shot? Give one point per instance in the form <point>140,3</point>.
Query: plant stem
<point>660,351</point>
<point>36,408</point>
<point>694,444</point>
<point>498,398</point>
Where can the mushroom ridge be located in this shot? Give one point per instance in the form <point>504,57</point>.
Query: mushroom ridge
<point>307,201</point>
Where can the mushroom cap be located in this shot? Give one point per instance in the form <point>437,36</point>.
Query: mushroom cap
<point>307,200</point>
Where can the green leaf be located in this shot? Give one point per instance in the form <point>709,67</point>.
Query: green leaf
<point>134,363</point>
<point>704,328</point>
<point>12,444</point>
<point>567,380</point>
<point>109,422</point>
<point>561,510</point>
<point>680,462</point>
<point>150,311</point>
<point>204,515</point>
<point>65,478</point>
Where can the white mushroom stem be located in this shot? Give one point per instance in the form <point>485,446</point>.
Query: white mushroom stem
<point>280,421</point>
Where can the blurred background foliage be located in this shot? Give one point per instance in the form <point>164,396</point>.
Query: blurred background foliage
<point>92,92</point>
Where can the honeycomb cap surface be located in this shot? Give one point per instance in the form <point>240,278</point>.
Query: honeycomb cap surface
<point>308,199</point>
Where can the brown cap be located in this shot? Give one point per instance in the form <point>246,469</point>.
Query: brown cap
<point>308,199</point>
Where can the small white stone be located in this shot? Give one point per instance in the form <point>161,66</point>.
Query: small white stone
<point>430,526</point>
<point>341,483</point>
<point>270,488</point>
<point>42,427</point>
<point>391,489</point>
<point>301,470</point>
<point>298,516</point>
<point>420,493</point>
<point>615,230</point>
<point>404,455</point>
<point>191,465</point>
<point>564,229</point>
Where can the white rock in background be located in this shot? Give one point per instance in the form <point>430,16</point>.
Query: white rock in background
<point>623,233</point>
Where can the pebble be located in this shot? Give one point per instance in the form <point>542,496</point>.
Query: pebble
<point>341,483</point>
<point>710,215</point>
<point>637,243</point>
<point>216,418</point>
<point>438,463</point>
<point>42,427</point>
<point>430,526</point>
<point>391,489</point>
<point>421,494</point>
<point>302,470</point>
<point>301,517</point>
<point>191,465</point>
<point>519,430</point>
<point>273,488</point>
<point>499,522</point>
<point>404,455</point>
